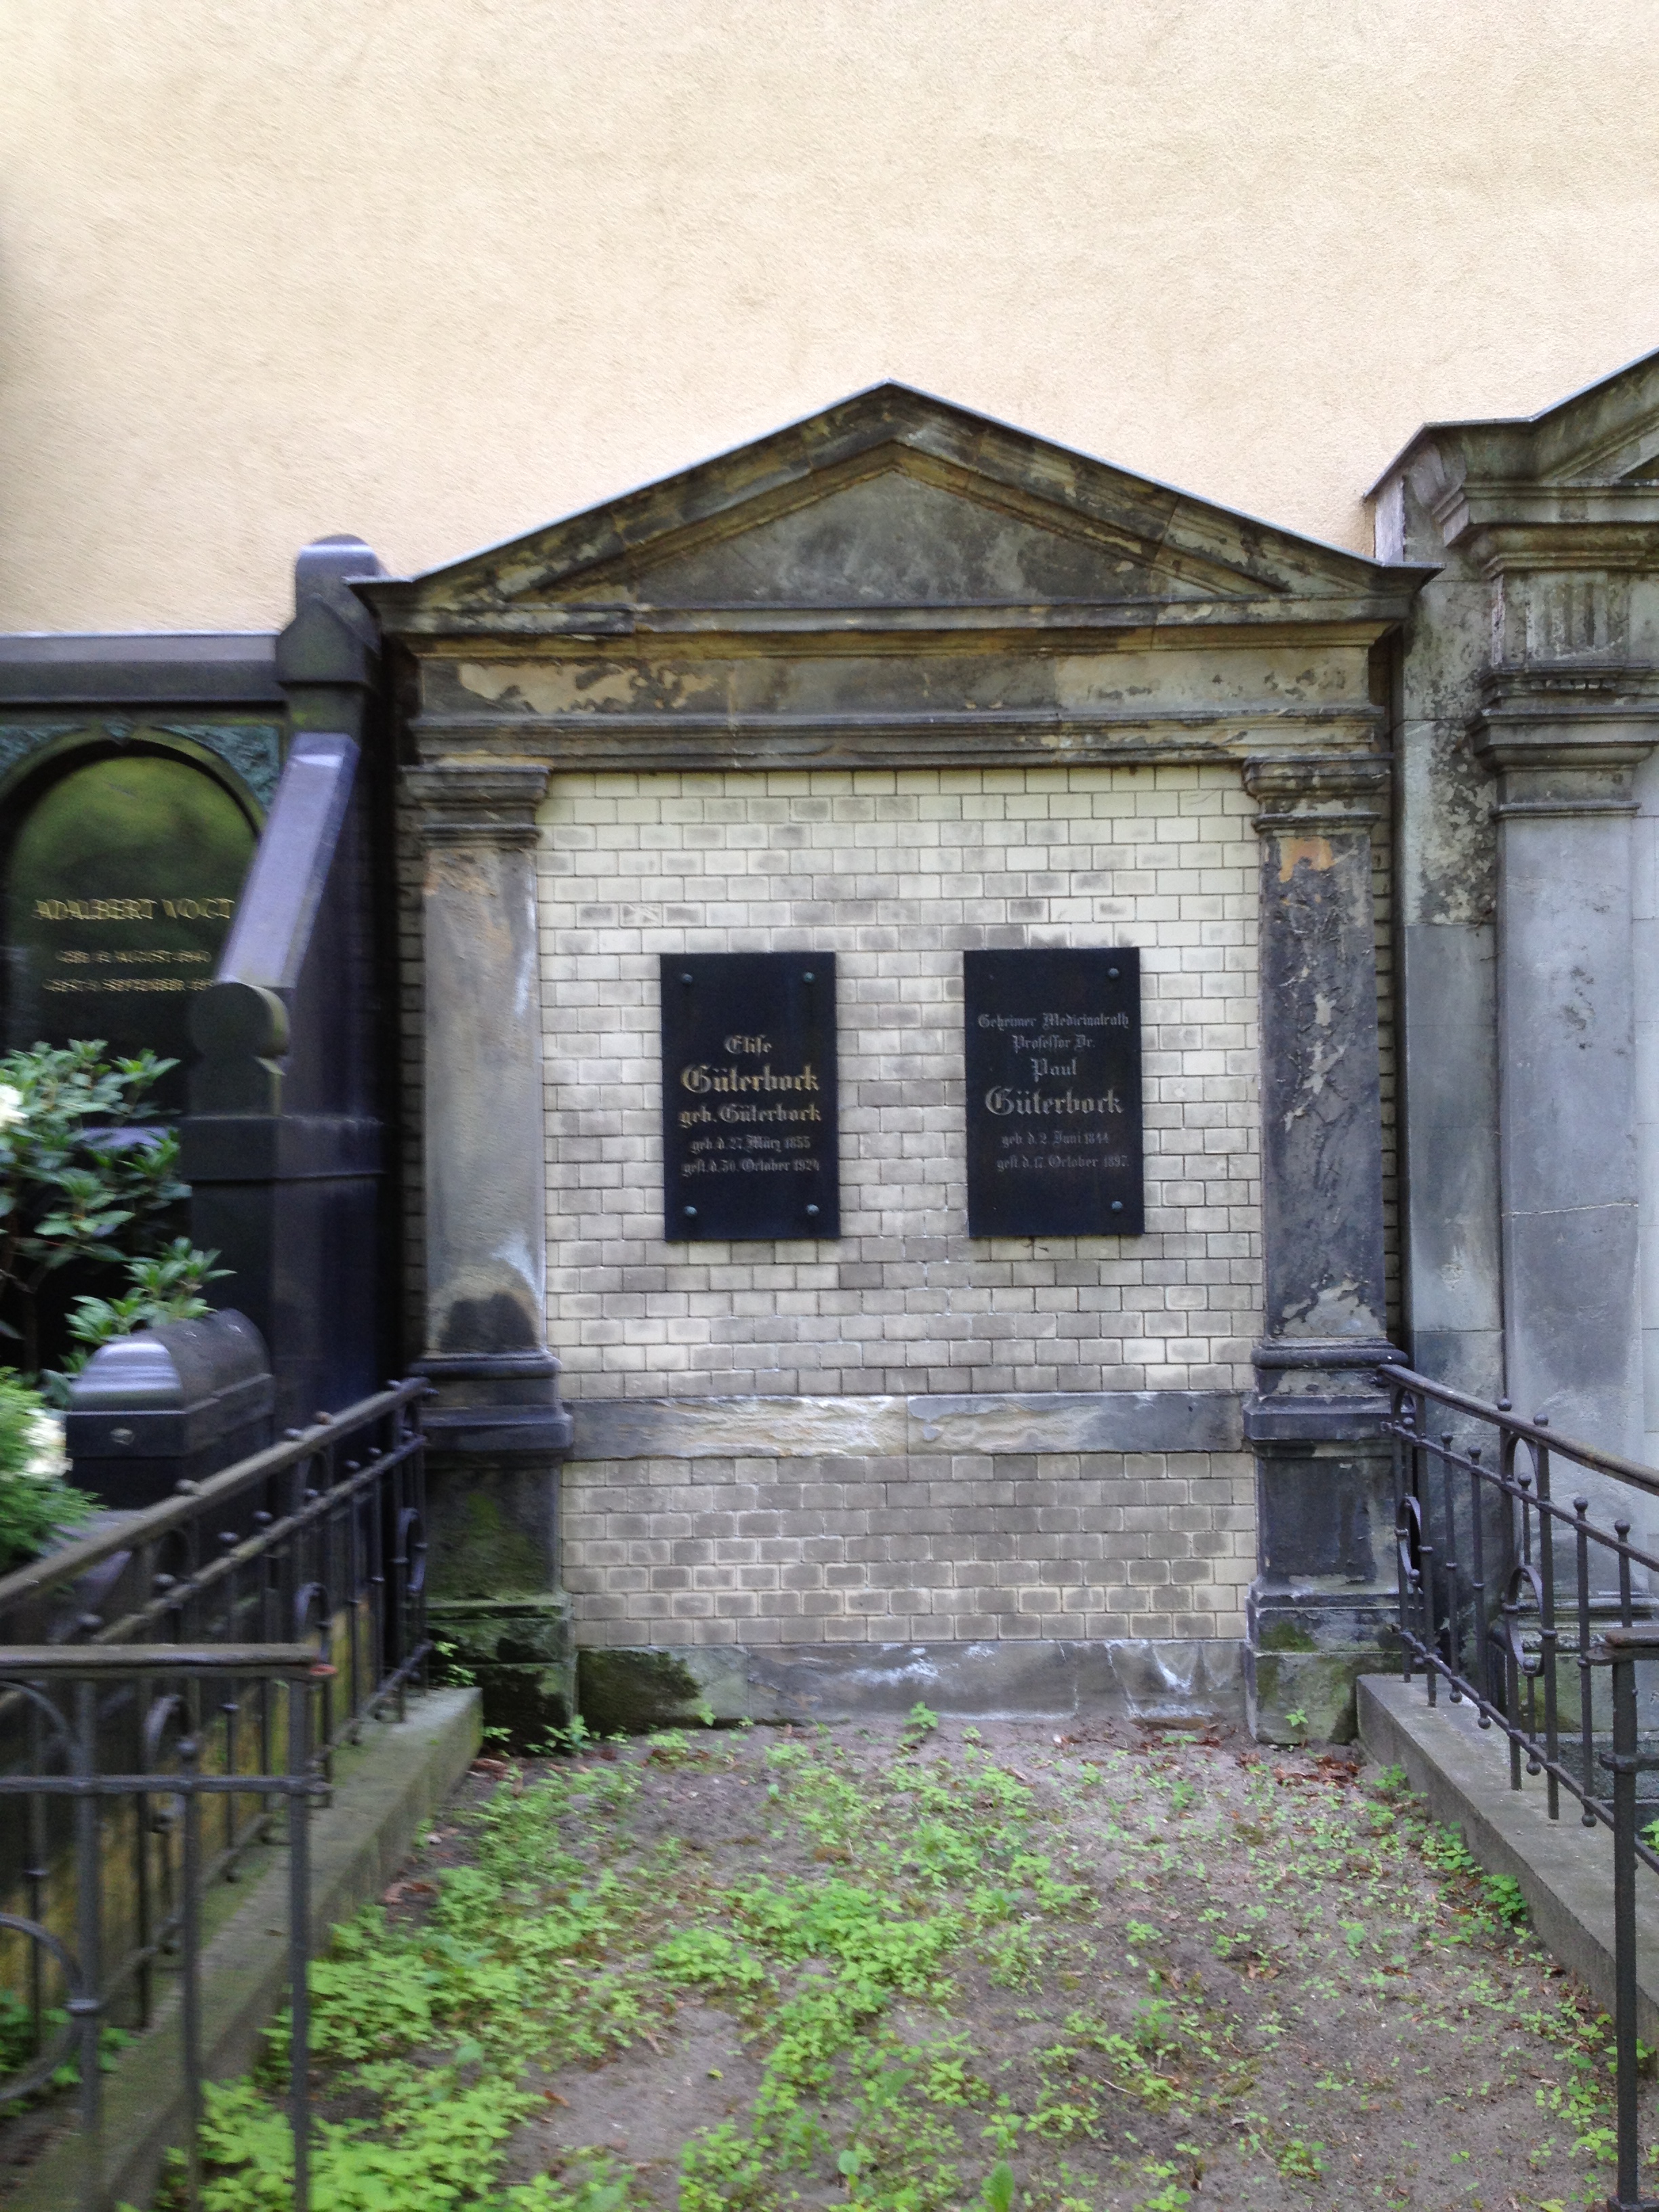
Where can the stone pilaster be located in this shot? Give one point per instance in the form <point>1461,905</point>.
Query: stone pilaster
<point>1563,746</point>
<point>498,1428</point>
<point>1527,730</point>
<point>1324,1583</point>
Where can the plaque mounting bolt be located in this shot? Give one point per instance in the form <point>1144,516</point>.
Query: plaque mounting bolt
<point>1117,1205</point>
<point>812,1211</point>
<point>685,978</point>
<point>690,1213</point>
<point>808,976</point>
<point>1113,973</point>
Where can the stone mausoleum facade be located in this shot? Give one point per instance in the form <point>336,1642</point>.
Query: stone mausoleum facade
<point>901,685</point>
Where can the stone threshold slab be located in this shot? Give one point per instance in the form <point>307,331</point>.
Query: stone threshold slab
<point>1148,1678</point>
<point>385,1791</point>
<point>1565,1869</point>
<point>898,1428</point>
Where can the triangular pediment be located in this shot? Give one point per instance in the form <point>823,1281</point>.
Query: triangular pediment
<point>902,534</point>
<point>889,499</point>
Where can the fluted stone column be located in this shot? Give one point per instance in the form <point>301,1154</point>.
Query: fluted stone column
<point>1324,1587</point>
<point>499,1430</point>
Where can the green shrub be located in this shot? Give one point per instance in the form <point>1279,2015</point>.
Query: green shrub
<point>35,1501</point>
<point>163,1287</point>
<point>82,1174</point>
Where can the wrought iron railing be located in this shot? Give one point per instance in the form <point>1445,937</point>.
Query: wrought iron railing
<point>66,1689</point>
<point>135,1794</point>
<point>1518,1563</point>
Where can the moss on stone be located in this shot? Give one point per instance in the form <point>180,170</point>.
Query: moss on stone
<point>1285,1636</point>
<point>1318,1686</point>
<point>519,1652</point>
<point>484,1554</point>
<point>626,1692</point>
<point>522,1631</point>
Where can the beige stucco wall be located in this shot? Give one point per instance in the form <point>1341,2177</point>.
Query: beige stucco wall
<point>435,272</point>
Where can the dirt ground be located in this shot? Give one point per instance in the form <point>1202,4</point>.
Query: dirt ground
<point>928,1967</point>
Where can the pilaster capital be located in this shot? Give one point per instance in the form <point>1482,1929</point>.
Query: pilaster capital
<point>1335,790</point>
<point>1565,740</point>
<point>491,803</point>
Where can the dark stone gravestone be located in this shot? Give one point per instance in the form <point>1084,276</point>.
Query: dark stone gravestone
<point>1052,1057</point>
<point>122,874</point>
<point>749,1116</point>
<point>170,1404</point>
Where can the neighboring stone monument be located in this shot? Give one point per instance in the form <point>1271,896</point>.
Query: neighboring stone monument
<point>1529,910</point>
<point>283,1142</point>
<point>121,876</point>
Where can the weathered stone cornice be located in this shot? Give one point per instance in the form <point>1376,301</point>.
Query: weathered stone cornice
<point>1514,525</point>
<point>1595,680</point>
<point>1357,619</point>
<point>992,738</point>
<point>477,802</point>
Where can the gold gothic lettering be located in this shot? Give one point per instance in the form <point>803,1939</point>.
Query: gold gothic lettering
<point>701,1078</point>
<point>132,909</point>
<point>999,1099</point>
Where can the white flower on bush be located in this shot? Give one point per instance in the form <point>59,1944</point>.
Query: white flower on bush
<point>32,1436</point>
<point>11,1107</point>
<point>48,1459</point>
<point>37,1506</point>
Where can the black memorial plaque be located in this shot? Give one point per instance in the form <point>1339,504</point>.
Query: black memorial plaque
<point>121,877</point>
<point>1052,1055</point>
<point>748,1128</point>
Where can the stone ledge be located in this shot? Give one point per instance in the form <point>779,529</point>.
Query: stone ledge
<point>893,1428</point>
<point>1140,1678</point>
<point>384,1792</point>
<point>1565,1869</point>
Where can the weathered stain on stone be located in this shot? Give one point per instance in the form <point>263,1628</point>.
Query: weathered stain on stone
<point>1166,1678</point>
<point>498,1322</point>
<point>1317,852</point>
<point>1341,1308</point>
<point>1020,1422</point>
<point>1285,1636</point>
<point>1454,853</point>
<point>626,1692</point>
<point>561,684</point>
<point>1321,1105</point>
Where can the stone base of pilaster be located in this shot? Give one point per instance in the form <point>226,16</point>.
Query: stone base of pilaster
<point>1302,1654</point>
<point>1323,1609</point>
<point>492,1525</point>
<point>519,1652</point>
<point>494,1594</point>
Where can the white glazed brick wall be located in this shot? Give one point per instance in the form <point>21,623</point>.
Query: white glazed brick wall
<point>898,873</point>
<point>914,1550</point>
